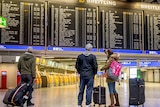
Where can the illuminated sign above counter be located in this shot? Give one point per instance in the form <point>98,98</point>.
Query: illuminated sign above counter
<point>142,64</point>
<point>150,6</point>
<point>103,2</point>
<point>125,51</point>
<point>50,48</point>
<point>152,52</point>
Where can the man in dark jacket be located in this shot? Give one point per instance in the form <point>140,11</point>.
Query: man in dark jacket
<point>27,67</point>
<point>86,66</point>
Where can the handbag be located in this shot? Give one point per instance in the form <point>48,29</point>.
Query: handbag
<point>114,70</point>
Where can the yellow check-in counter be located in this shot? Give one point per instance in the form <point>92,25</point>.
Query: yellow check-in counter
<point>66,79</point>
<point>61,80</point>
<point>38,81</point>
<point>56,80</point>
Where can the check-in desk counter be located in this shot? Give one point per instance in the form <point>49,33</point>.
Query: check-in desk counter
<point>38,82</point>
<point>61,80</point>
<point>56,80</point>
<point>69,79</point>
<point>51,77</point>
<point>74,79</point>
<point>44,80</point>
<point>50,81</point>
<point>66,79</point>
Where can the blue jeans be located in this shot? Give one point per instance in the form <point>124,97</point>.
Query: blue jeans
<point>111,87</point>
<point>83,83</point>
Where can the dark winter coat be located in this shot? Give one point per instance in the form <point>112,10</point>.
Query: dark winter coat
<point>27,64</point>
<point>86,65</point>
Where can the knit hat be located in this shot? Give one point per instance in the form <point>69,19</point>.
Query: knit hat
<point>30,49</point>
<point>89,47</point>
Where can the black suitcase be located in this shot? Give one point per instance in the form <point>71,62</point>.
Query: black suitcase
<point>99,95</point>
<point>16,97</point>
<point>99,92</point>
<point>136,91</point>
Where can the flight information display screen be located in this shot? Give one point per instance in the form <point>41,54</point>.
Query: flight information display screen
<point>25,23</point>
<point>152,30</point>
<point>72,25</point>
<point>121,29</point>
<point>104,24</point>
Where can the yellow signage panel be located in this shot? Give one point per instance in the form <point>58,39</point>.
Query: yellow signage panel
<point>81,1</point>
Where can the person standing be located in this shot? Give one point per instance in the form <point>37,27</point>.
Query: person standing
<point>111,83</point>
<point>27,67</point>
<point>86,65</point>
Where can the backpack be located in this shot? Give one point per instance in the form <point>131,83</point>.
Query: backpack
<point>114,70</point>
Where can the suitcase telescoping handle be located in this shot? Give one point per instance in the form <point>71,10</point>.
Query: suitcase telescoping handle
<point>100,78</point>
<point>141,85</point>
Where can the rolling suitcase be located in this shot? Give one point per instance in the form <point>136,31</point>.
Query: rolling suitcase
<point>99,92</point>
<point>18,96</point>
<point>136,91</point>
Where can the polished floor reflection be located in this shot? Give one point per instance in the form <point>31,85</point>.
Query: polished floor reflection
<point>66,96</point>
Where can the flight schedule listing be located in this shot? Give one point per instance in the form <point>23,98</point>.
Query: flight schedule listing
<point>25,23</point>
<point>10,11</point>
<point>121,29</point>
<point>49,23</point>
<point>32,23</point>
<point>152,31</point>
<point>72,25</point>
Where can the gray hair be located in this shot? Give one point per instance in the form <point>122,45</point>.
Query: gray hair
<point>30,49</point>
<point>89,47</point>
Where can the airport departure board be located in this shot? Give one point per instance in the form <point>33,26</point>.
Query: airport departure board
<point>72,25</point>
<point>25,23</point>
<point>121,29</point>
<point>75,24</point>
<point>152,31</point>
<point>11,11</point>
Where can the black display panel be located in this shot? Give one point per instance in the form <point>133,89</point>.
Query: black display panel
<point>32,23</point>
<point>72,25</point>
<point>11,11</point>
<point>25,23</point>
<point>152,30</point>
<point>121,29</point>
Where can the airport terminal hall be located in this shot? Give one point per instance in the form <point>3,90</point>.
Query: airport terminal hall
<point>79,53</point>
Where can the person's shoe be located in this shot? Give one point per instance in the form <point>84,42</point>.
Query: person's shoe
<point>30,104</point>
<point>111,106</point>
<point>116,104</point>
<point>79,106</point>
<point>88,106</point>
<point>21,105</point>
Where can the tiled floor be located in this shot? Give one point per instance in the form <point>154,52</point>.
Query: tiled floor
<point>66,96</point>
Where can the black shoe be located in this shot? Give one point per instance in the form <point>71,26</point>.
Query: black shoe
<point>30,104</point>
<point>21,105</point>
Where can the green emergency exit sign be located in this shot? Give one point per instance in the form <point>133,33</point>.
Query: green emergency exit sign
<point>2,22</point>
